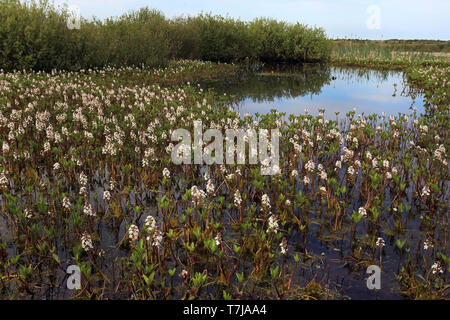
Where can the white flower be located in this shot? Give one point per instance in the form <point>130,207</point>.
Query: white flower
<point>287,202</point>
<point>310,166</point>
<point>298,148</point>
<point>150,224</point>
<point>348,155</point>
<point>166,173</point>
<point>375,163</point>
<point>169,148</point>
<point>323,175</point>
<point>351,170</point>
<point>197,195</point>
<point>133,232</point>
<point>423,128</point>
<point>428,243</point>
<point>106,195</point>
<point>306,180</point>
<point>83,191</point>
<point>439,154</point>
<point>28,213</point>
<point>229,176</point>
<point>380,242</point>
<point>265,163</point>
<point>86,242</point>
<point>157,238</point>
<point>385,164</point>
<point>237,198</point>
<point>323,189</point>
<point>283,246</point>
<point>388,176</point>
<point>5,147</point>
<point>66,203</point>
<point>88,210</point>
<point>436,267</point>
<point>3,180</point>
<point>362,211</point>
<point>265,201</point>
<point>210,188</point>
<point>276,170</point>
<point>184,274</point>
<point>273,224</point>
<point>112,184</point>
<point>425,191</point>
<point>218,239</point>
<point>46,146</point>
<point>56,166</point>
<point>83,179</point>
<point>294,173</point>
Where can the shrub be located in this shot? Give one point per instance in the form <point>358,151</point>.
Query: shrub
<point>34,35</point>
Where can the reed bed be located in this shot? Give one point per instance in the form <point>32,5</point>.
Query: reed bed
<point>376,55</point>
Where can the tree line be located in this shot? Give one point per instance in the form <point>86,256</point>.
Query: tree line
<point>34,35</point>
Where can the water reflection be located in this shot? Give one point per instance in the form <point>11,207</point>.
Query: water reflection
<point>314,87</point>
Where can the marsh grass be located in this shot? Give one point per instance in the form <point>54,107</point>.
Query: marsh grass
<point>374,54</point>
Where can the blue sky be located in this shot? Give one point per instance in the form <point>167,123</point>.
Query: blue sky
<point>401,19</point>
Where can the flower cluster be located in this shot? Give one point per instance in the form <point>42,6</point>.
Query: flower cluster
<point>86,242</point>
<point>133,232</point>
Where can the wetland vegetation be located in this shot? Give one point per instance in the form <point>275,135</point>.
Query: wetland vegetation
<point>86,176</point>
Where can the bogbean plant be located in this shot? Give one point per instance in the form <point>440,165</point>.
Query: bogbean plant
<point>86,179</point>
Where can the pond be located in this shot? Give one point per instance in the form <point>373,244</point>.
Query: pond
<point>337,90</point>
<point>314,87</point>
<point>76,203</point>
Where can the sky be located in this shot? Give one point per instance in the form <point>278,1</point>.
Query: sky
<point>364,19</point>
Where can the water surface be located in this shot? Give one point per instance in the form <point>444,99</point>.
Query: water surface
<point>334,89</point>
